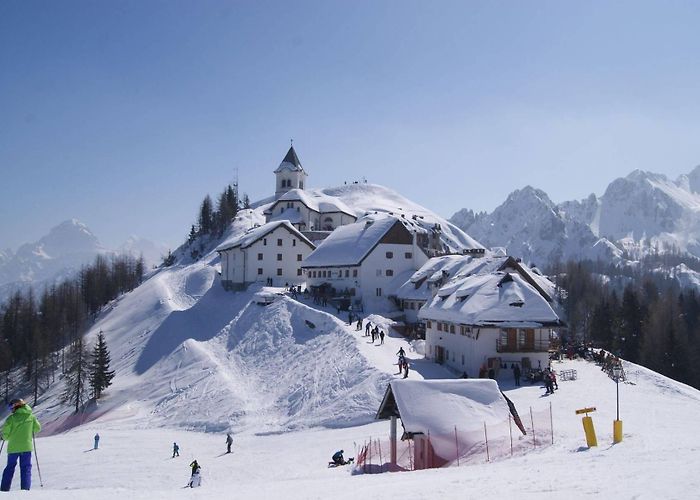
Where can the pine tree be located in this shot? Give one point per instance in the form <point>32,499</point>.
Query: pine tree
<point>206,216</point>
<point>76,378</point>
<point>100,374</point>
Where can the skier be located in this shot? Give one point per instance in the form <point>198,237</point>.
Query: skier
<point>381,336</point>
<point>229,442</point>
<point>338,458</point>
<point>195,478</point>
<point>401,353</point>
<point>176,450</point>
<point>367,327</point>
<point>97,441</point>
<point>516,374</point>
<point>358,326</point>
<point>402,361</point>
<point>18,431</point>
<point>405,367</point>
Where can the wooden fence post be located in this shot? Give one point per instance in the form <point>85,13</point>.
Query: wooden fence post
<point>532,420</point>
<point>486,436</point>
<point>510,430</point>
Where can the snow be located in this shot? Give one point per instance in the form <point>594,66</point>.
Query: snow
<point>349,244</point>
<point>295,383</point>
<point>659,451</point>
<point>486,299</point>
<point>316,201</point>
<point>254,234</point>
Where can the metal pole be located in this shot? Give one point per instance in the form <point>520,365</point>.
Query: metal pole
<point>2,445</point>
<point>486,437</point>
<point>36,457</point>
<point>617,386</point>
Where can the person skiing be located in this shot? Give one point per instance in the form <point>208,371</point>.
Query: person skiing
<point>516,374</point>
<point>405,367</point>
<point>176,450</point>
<point>229,442</point>
<point>367,328</point>
<point>195,478</point>
<point>401,353</point>
<point>97,441</point>
<point>381,336</point>
<point>338,458</point>
<point>18,431</point>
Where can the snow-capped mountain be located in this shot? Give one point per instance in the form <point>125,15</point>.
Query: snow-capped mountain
<point>637,215</point>
<point>136,246</point>
<point>532,227</point>
<point>57,255</point>
<point>60,254</point>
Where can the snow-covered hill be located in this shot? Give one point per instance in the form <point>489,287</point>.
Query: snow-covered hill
<point>636,216</point>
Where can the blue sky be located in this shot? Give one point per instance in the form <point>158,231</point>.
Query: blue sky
<point>125,114</point>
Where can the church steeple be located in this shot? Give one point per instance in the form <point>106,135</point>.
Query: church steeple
<point>291,162</point>
<point>290,174</point>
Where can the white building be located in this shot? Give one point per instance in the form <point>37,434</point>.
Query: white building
<point>272,251</point>
<point>290,174</point>
<point>366,260</point>
<point>310,212</point>
<point>488,313</point>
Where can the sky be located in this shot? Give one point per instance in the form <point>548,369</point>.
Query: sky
<point>126,114</point>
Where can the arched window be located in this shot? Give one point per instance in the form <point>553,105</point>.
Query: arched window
<point>301,184</point>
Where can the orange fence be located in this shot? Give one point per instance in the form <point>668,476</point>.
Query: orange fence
<point>466,445</point>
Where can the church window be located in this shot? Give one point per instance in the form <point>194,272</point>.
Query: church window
<point>279,271</point>
<point>389,272</point>
<point>298,257</point>
<point>390,255</point>
<point>279,256</point>
<point>301,184</point>
<point>260,256</point>
<point>299,272</point>
<point>279,242</point>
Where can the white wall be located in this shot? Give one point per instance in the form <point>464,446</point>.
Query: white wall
<point>241,266</point>
<point>374,267</point>
<point>476,351</point>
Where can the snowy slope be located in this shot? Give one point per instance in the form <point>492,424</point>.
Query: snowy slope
<point>658,457</point>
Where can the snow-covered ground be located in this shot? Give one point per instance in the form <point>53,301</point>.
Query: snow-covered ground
<point>658,457</point>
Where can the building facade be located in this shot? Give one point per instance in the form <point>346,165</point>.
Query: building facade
<point>271,253</point>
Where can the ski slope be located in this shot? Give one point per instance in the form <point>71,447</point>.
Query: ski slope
<point>657,458</point>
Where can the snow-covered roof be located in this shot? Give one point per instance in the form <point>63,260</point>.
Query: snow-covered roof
<point>348,245</point>
<point>436,407</point>
<point>505,298</point>
<point>252,235</point>
<point>440,270</point>
<point>315,201</point>
<point>290,162</point>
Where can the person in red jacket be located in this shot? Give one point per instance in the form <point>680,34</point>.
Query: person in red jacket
<point>18,431</point>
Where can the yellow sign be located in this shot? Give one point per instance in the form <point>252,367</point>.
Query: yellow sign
<point>585,410</point>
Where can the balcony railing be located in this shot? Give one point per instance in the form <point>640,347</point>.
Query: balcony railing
<point>536,345</point>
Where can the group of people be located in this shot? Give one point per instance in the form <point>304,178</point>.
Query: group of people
<point>375,332</point>
<point>196,475</point>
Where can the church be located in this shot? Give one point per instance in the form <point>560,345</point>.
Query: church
<point>308,211</point>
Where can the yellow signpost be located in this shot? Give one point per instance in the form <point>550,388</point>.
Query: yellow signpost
<point>588,428</point>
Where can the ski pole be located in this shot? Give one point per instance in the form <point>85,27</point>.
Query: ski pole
<point>2,445</point>
<point>36,457</point>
